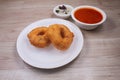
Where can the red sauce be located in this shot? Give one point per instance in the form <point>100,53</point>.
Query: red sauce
<point>88,15</point>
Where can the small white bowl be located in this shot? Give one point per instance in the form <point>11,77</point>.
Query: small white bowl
<point>62,15</point>
<point>88,26</point>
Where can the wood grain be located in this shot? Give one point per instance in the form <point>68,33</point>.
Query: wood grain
<point>98,60</point>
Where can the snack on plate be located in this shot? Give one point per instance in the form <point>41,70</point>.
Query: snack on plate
<point>57,34</point>
<point>60,36</point>
<point>38,37</point>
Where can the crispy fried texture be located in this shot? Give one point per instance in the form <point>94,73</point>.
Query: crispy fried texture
<point>60,36</point>
<point>38,37</point>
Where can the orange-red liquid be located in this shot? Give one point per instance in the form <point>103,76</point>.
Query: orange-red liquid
<point>88,15</point>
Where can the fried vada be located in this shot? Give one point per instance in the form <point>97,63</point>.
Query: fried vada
<point>60,36</point>
<point>38,37</point>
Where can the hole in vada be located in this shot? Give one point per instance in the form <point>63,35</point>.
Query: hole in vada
<point>62,33</point>
<point>41,33</point>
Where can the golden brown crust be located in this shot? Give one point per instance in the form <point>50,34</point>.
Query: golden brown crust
<point>38,37</point>
<point>60,36</point>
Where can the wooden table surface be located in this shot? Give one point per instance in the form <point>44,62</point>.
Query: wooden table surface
<point>98,60</point>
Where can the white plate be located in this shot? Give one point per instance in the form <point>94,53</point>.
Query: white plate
<point>49,57</point>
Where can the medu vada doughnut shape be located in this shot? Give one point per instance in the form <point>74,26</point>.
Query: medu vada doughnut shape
<point>60,36</point>
<point>38,37</point>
